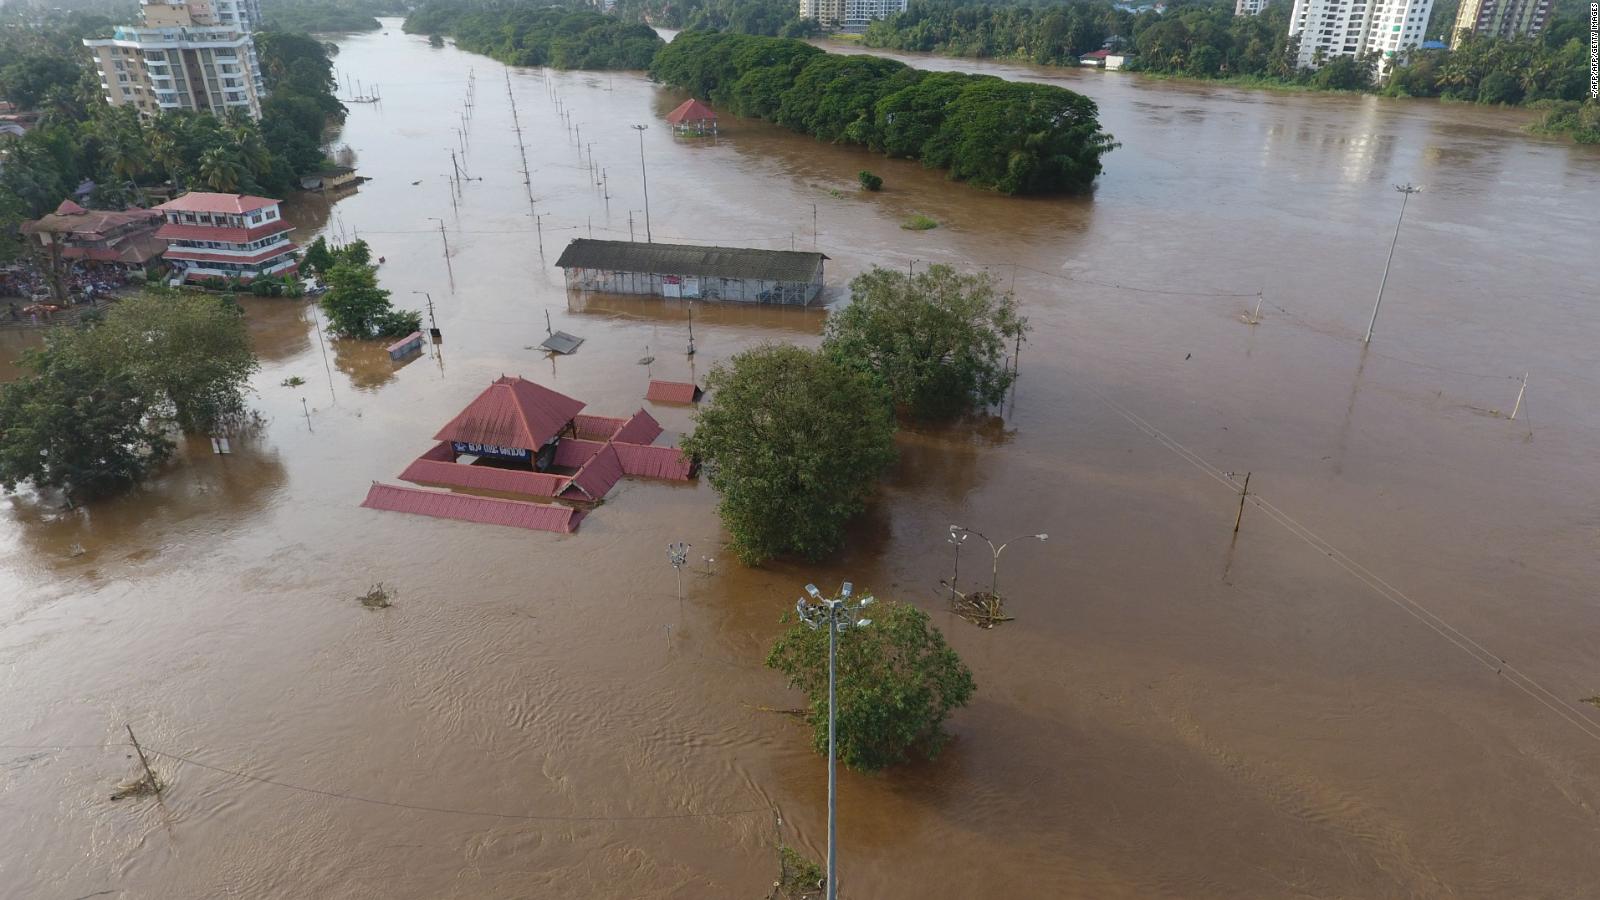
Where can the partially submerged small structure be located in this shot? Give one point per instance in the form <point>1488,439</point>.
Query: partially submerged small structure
<point>693,117</point>
<point>523,439</point>
<point>332,178</point>
<point>745,275</point>
<point>672,392</point>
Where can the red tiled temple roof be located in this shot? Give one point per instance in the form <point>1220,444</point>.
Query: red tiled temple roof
<point>672,392</point>
<point>467,508</point>
<point>691,111</point>
<point>641,428</point>
<point>512,412</point>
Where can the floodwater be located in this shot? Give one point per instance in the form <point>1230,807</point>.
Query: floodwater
<point>1374,691</point>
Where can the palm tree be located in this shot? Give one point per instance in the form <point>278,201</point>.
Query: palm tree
<point>252,152</point>
<point>219,170</point>
<point>164,142</point>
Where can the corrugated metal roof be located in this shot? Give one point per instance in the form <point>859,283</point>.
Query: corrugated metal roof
<point>574,452</point>
<point>485,478</point>
<point>672,392</point>
<point>597,477</point>
<point>641,428</point>
<point>688,259</point>
<point>485,510</point>
<point>654,462</point>
<point>512,412</point>
<point>597,428</point>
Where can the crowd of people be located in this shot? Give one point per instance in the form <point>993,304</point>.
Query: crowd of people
<point>32,302</point>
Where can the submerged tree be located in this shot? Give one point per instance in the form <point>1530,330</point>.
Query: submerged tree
<point>358,308</point>
<point>77,426</point>
<point>938,339</point>
<point>897,683</point>
<point>794,442</point>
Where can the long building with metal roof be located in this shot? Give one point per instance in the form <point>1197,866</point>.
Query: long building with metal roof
<point>743,274</point>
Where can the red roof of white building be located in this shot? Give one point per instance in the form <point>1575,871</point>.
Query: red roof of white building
<point>233,204</point>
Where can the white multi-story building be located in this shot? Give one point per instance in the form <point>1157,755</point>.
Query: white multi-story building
<point>830,13</point>
<point>1249,7</point>
<point>197,55</point>
<point>226,236</point>
<point>1330,28</point>
<point>858,14</point>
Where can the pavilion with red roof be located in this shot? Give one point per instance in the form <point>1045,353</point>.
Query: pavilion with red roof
<point>522,439</point>
<point>226,236</point>
<point>693,117</point>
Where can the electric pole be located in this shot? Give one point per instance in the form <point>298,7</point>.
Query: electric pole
<point>645,178</point>
<point>1406,190</point>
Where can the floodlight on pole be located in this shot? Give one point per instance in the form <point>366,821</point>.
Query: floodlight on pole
<point>957,536</point>
<point>836,614</point>
<point>994,573</point>
<point>1406,190</point>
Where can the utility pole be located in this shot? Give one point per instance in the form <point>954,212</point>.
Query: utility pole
<point>1514,409</point>
<point>1243,493</point>
<point>154,784</point>
<point>630,224</point>
<point>836,615</point>
<point>433,324</point>
<point>1406,190</point>
<point>813,226</point>
<point>691,329</point>
<point>454,165</point>
<point>306,408</point>
<point>957,536</point>
<point>645,178</point>
<point>538,225</point>
<point>446,241</point>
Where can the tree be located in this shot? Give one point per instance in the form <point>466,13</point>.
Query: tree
<point>318,259</point>
<point>188,354</point>
<point>77,426</point>
<point>897,683</point>
<point>870,181</point>
<point>937,340</point>
<point>220,170</point>
<point>357,307</point>
<point>793,441</point>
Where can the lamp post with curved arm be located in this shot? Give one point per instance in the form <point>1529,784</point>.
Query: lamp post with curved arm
<point>994,572</point>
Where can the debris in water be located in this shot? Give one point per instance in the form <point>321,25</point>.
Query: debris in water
<point>981,608</point>
<point>76,550</point>
<point>378,597</point>
<point>139,787</point>
<point>1592,701</point>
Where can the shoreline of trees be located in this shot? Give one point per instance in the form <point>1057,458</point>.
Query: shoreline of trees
<point>517,35</point>
<point>1013,137</point>
<point>1204,40</point>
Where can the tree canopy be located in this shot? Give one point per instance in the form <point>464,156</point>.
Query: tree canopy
<point>938,340</point>
<point>897,683</point>
<point>1014,137</point>
<point>356,306</point>
<point>793,442</point>
<point>520,35</point>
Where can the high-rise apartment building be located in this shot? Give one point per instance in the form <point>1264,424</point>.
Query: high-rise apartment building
<point>197,55</point>
<point>850,15</point>
<point>1330,28</point>
<point>1249,7</point>
<point>1500,18</point>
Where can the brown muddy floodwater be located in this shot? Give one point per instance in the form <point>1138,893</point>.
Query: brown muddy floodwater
<point>1375,692</point>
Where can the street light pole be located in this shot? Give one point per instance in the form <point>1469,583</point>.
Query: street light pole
<point>958,536</point>
<point>837,615</point>
<point>994,572</point>
<point>1406,190</point>
<point>646,179</point>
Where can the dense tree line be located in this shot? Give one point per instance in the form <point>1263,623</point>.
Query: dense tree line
<point>771,18</point>
<point>1204,39</point>
<point>80,137</point>
<point>323,16</point>
<point>519,35</point>
<point>1014,137</point>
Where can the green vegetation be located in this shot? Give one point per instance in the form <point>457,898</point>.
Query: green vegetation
<point>771,18</point>
<point>869,181</point>
<point>794,442</point>
<point>898,681</point>
<point>937,340</point>
<point>520,35</point>
<point>1204,39</point>
<point>919,222</point>
<point>1013,137</point>
<point>798,877</point>
<point>92,416</point>
<point>435,40</point>
<point>80,137</point>
<point>326,16</point>
<point>356,306</point>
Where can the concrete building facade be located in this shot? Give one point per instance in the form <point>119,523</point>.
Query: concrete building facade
<point>1499,18</point>
<point>226,236</point>
<point>1249,7</point>
<point>197,56</point>
<point>1331,28</point>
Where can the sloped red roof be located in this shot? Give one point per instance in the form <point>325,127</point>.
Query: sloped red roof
<point>672,392</point>
<point>78,223</point>
<point>597,477</point>
<point>690,111</point>
<point>641,428</point>
<point>179,232</point>
<point>260,256</point>
<point>597,428</point>
<point>485,478</point>
<point>485,510</point>
<point>654,462</point>
<point>202,201</point>
<point>512,412</point>
<point>574,452</point>
<point>68,208</point>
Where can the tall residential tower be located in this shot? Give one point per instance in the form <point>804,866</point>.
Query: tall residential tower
<point>1330,28</point>
<point>196,55</point>
<point>1499,18</point>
